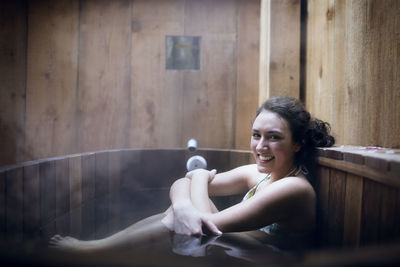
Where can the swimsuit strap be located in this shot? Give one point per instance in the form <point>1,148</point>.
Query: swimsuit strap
<point>252,191</point>
<point>295,171</point>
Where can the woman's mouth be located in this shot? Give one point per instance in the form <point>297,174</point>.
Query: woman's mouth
<point>265,158</point>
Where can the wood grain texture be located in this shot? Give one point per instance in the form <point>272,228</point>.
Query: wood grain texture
<point>247,85</point>
<point>103,98</point>
<point>101,194</point>
<point>88,196</point>
<point>352,69</point>
<point>322,191</point>
<point>47,183</point>
<point>52,59</point>
<point>389,215</point>
<point>156,94</point>
<point>209,92</point>
<point>14,206</point>
<point>3,207</point>
<point>352,211</point>
<point>13,45</point>
<point>62,196</point>
<point>284,59</point>
<point>388,178</point>
<point>95,77</point>
<point>239,158</point>
<point>130,173</point>
<point>31,199</point>
<point>75,195</point>
<point>114,174</point>
<point>337,194</point>
<point>355,74</point>
<point>320,61</point>
<point>370,222</point>
<point>382,72</point>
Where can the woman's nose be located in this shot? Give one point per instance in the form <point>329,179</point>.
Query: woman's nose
<point>262,144</point>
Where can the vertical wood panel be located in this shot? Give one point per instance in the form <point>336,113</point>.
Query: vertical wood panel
<point>103,100</point>
<point>47,172</point>
<point>114,190</point>
<point>237,159</point>
<point>62,196</point>
<point>157,94</point>
<point>75,196</point>
<point>246,100</point>
<point>219,160</point>
<point>51,78</point>
<point>337,193</point>
<point>370,213</point>
<point>352,212</point>
<point>321,61</point>
<point>284,59</point>
<point>337,71</point>
<point>13,16</point>
<point>14,205</point>
<point>101,194</point>
<point>88,196</point>
<point>31,191</point>
<point>209,92</point>
<point>352,68</point>
<point>322,190</point>
<point>130,172</point>
<point>383,90</point>
<point>3,210</point>
<point>389,217</point>
<point>355,79</point>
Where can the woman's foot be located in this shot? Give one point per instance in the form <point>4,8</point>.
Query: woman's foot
<point>71,244</point>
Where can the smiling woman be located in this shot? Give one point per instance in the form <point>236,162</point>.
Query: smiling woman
<point>280,199</point>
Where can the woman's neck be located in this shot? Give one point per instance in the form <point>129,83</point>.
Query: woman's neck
<point>285,173</point>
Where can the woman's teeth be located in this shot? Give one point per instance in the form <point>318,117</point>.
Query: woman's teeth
<point>266,157</point>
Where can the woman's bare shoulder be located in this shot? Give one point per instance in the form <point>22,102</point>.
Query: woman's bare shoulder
<point>295,185</point>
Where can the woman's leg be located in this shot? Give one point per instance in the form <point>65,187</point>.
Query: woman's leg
<point>145,232</point>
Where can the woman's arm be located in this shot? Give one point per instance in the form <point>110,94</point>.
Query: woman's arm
<point>279,201</point>
<point>199,190</point>
<point>185,218</point>
<point>235,181</point>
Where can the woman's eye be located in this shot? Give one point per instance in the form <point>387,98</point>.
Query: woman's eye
<point>274,138</point>
<point>256,135</point>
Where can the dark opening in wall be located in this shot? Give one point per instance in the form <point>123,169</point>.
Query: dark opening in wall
<point>182,52</point>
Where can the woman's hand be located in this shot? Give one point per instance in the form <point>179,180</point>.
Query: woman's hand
<point>195,246</point>
<point>187,220</point>
<point>202,172</point>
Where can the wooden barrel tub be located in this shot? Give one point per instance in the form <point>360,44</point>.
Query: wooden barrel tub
<point>92,195</point>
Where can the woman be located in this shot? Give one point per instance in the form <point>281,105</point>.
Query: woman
<point>279,206</point>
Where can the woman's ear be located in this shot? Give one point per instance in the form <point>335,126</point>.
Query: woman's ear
<point>296,147</point>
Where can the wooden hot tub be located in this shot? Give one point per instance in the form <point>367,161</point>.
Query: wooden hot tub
<point>93,195</point>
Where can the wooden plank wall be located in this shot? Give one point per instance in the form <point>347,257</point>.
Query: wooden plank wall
<point>352,69</point>
<point>82,75</point>
<point>355,211</point>
<point>358,200</point>
<point>93,195</point>
<point>280,49</point>
<point>13,46</point>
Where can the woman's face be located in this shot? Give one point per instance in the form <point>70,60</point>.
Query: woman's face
<point>272,144</point>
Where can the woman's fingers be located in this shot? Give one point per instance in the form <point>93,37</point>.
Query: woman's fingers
<point>212,227</point>
<point>189,175</point>
<point>212,174</point>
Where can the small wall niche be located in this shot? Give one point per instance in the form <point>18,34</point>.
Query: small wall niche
<point>182,52</point>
